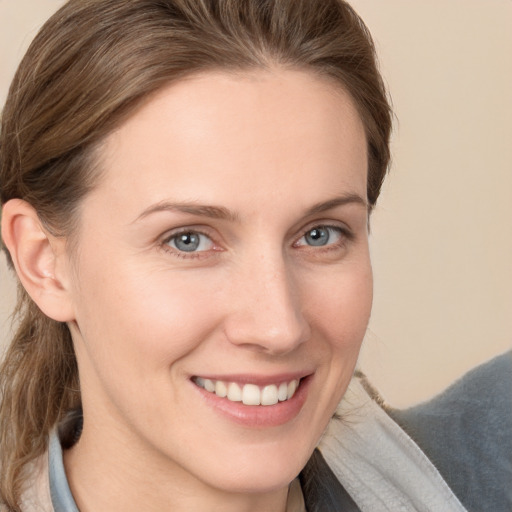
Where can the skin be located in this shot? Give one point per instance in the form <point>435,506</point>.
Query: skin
<point>266,147</point>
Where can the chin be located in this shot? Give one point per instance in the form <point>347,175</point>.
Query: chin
<point>261,472</point>
<point>258,481</point>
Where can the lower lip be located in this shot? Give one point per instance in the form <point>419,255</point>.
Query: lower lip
<point>259,416</point>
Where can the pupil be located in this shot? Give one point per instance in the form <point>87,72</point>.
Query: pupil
<point>187,242</point>
<point>317,236</point>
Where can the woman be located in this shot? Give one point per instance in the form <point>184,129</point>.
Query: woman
<point>186,189</point>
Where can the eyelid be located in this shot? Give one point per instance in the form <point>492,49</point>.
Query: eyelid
<point>173,241</point>
<point>171,233</point>
<point>164,242</point>
<point>339,226</point>
<point>339,234</point>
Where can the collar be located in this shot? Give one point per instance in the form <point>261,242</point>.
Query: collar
<point>379,465</point>
<point>62,499</point>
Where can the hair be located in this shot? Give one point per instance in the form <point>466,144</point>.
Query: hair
<point>87,70</point>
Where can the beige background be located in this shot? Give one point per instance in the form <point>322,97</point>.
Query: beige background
<point>442,233</point>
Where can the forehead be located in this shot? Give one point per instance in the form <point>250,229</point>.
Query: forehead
<point>218,135</point>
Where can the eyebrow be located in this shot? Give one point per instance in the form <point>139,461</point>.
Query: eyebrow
<point>219,212</point>
<point>213,212</point>
<point>335,202</point>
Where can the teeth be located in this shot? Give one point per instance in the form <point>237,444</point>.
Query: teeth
<point>282,394</point>
<point>292,387</point>
<point>221,389</point>
<point>269,395</point>
<point>234,392</point>
<point>250,394</point>
<point>209,385</point>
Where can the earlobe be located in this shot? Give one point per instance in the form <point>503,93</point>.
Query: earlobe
<point>37,258</point>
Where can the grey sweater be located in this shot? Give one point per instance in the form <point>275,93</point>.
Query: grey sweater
<point>466,432</point>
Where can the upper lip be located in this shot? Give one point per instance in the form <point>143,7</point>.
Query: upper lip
<point>258,379</point>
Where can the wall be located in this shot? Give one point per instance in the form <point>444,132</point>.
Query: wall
<point>442,232</point>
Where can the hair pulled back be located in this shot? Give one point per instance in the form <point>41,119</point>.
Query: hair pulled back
<point>88,68</point>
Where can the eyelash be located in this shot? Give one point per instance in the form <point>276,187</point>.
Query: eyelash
<point>184,254</point>
<point>345,234</point>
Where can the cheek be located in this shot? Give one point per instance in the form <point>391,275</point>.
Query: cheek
<point>133,338</point>
<point>141,322</point>
<point>341,307</point>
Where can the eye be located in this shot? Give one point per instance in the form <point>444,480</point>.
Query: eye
<point>320,236</point>
<point>190,241</point>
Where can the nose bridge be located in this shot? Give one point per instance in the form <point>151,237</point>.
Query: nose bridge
<point>268,309</point>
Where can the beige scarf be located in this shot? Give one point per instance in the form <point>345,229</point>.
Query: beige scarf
<point>379,465</point>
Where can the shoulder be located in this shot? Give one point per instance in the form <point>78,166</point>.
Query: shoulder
<point>466,431</point>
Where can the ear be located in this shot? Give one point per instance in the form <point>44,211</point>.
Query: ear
<point>40,260</point>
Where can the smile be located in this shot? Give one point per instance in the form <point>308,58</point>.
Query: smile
<point>249,394</point>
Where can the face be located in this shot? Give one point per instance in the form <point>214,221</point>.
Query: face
<point>223,252</point>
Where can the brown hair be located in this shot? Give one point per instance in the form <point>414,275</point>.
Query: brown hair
<point>85,72</point>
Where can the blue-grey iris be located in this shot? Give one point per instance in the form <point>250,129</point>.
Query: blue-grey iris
<point>187,242</point>
<point>317,236</point>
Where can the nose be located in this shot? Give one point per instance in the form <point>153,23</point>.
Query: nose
<point>267,309</point>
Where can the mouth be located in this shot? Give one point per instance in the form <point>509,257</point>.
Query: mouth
<point>250,393</point>
<point>255,401</point>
